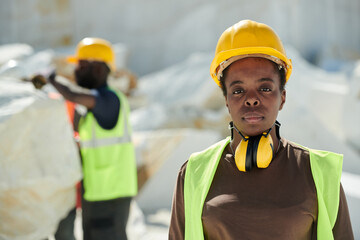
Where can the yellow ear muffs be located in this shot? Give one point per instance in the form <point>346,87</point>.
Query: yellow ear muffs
<point>265,151</point>
<point>254,151</point>
<point>240,154</point>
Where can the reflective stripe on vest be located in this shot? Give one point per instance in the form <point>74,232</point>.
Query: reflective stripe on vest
<point>326,169</point>
<point>100,142</point>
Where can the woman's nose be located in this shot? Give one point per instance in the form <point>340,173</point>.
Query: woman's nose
<point>252,101</point>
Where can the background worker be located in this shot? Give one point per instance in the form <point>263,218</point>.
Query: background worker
<point>108,156</point>
<point>256,184</point>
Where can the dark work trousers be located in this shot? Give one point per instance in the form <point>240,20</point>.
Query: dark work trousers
<point>105,219</point>
<point>65,230</point>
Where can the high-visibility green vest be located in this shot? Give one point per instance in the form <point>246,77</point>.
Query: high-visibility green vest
<point>109,165</point>
<point>326,169</point>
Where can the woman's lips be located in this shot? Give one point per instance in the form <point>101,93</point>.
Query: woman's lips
<point>253,118</point>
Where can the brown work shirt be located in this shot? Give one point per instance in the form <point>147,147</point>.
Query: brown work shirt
<point>279,202</point>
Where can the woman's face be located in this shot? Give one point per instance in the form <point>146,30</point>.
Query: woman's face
<point>253,94</point>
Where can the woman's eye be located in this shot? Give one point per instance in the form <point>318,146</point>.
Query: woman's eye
<point>238,91</point>
<point>265,89</point>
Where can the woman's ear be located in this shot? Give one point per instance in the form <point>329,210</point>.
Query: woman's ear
<point>226,104</point>
<point>283,99</point>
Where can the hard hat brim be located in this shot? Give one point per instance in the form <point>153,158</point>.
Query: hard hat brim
<point>72,59</point>
<point>75,60</point>
<point>248,52</point>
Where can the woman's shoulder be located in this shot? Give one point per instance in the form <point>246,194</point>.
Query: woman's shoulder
<point>295,149</point>
<point>293,145</point>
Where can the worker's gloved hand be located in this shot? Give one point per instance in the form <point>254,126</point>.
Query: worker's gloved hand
<point>41,79</point>
<point>38,81</point>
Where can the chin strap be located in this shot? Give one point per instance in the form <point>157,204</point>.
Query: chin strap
<point>277,127</point>
<point>231,127</point>
<point>276,124</point>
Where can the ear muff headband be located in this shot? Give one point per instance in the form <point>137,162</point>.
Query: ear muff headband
<point>251,153</point>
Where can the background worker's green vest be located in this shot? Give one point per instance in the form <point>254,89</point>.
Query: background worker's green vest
<point>326,169</point>
<point>108,156</point>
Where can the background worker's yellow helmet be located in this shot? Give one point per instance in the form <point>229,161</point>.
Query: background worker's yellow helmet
<point>248,39</point>
<point>95,49</point>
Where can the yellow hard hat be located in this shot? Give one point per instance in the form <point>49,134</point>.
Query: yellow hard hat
<point>248,39</point>
<point>94,49</point>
